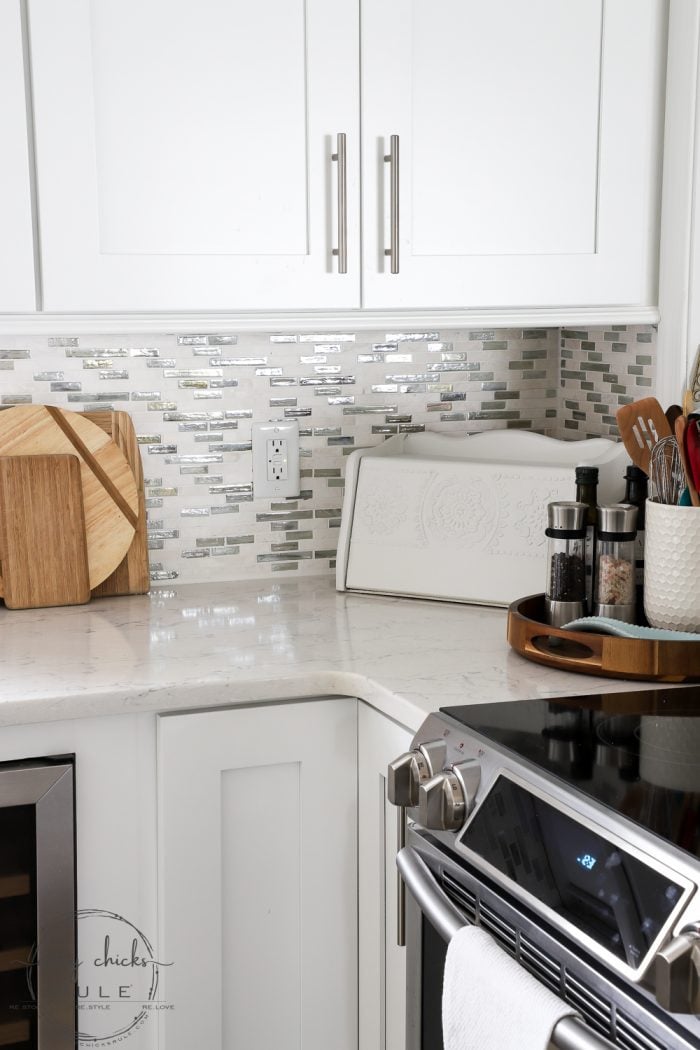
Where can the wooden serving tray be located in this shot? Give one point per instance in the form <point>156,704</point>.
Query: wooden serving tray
<point>585,652</point>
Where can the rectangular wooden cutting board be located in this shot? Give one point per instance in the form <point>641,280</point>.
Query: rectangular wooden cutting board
<point>43,551</point>
<point>131,576</point>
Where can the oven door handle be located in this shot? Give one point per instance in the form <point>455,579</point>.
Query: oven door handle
<point>570,1033</point>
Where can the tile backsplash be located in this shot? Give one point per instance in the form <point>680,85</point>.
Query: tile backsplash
<point>600,370</point>
<point>193,399</point>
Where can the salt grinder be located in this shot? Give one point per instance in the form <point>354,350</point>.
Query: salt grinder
<point>615,562</point>
<point>565,593</point>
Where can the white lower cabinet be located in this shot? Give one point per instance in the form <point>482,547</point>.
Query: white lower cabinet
<point>258,876</point>
<point>382,972</point>
<point>235,876</point>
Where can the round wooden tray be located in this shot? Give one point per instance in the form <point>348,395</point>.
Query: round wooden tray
<point>600,654</point>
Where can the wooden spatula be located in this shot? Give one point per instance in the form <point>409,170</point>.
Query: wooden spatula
<point>681,438</point>
<point>642,424</point>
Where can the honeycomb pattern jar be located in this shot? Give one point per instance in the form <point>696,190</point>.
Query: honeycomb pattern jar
<point>672,567</point>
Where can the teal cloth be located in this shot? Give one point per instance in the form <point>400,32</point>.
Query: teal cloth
<point>607,625</point>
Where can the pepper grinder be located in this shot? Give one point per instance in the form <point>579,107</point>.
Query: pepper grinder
<point>565,593</point>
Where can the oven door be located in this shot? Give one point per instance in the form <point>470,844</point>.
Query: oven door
<point>443,895</point>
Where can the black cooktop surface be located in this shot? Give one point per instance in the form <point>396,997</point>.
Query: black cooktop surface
<point>638,751</point>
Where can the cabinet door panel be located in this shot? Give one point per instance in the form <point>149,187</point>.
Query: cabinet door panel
<point>184,152</point>
<point>258,876</point>
<point>382,961</point>
<point>510,113</point>
<point>16,237</point>
<point>529,167</point>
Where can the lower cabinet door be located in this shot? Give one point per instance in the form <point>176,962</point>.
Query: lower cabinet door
<point>382,972</point>
<point>258,877</point>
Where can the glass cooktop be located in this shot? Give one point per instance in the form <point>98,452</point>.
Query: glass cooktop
<point>638,751</point>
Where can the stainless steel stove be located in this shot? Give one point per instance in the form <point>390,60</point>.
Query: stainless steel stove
<point>570,830</point>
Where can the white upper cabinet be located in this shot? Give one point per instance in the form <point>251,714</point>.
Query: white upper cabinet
<point>185,152</point>
<point>529,142</point>
<point>16,238</point>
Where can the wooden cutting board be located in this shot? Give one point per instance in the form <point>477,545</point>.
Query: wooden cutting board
<point>43,551</point>
<point>110,499</point>
<point>131,575</point>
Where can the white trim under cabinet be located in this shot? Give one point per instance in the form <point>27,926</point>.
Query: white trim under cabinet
<point>326,321</point>
<point>17,290</point>
<point>184,153</point>
<point>258,876</point>
<point>530,140</point>
<point>382,971</point>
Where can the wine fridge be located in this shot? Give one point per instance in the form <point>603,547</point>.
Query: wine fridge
<point>37,905</point>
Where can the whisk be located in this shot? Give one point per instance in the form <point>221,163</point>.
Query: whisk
<point>666,471</point>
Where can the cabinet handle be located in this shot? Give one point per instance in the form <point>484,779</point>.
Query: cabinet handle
<point>392,158</point>
<point>340,156</point>
<point>400,884</point>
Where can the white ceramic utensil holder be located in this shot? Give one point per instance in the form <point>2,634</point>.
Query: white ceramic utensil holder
<point>671,566</point>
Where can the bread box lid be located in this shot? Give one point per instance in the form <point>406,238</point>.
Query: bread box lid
<point>461,518</point>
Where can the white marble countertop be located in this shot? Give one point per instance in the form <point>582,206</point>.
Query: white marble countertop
<point>214,644</point>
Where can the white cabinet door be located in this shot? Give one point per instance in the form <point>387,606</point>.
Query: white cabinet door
<point>382,962</point>
<point>16,238</point>
<point>116,842</point>
<point>184,152</point>
<point>529,145</point>
<point>258,876</point>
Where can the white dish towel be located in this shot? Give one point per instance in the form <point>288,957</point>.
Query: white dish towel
<point>489,1002</point>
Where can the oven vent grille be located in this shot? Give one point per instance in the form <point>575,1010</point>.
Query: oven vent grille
<point>597,1011</point>
<point>464,900</point>
<point>540,965</point>
<point>629,1036</point>
<point>503,932</point>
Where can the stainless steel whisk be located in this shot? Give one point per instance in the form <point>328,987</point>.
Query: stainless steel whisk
<point>666,471</point>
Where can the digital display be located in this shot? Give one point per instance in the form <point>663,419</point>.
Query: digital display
<point>611,895</point>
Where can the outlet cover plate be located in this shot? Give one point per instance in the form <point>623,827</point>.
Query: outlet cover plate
<point>276,459</point>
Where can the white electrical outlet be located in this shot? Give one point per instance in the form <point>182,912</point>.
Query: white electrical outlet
<point>276,459</point>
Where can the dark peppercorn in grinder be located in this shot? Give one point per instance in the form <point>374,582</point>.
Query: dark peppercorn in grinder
<point>565,594</point>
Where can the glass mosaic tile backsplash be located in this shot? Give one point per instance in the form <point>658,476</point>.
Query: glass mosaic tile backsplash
<point>193,399</point>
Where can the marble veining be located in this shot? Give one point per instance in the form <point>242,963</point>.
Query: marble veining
<point>203,645</point>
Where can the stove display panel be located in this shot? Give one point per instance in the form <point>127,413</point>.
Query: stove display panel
<point>603,890</point>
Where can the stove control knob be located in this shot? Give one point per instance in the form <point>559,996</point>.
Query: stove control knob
<point>446,799</point>
<point>677,976</point>
<point>409,771</point>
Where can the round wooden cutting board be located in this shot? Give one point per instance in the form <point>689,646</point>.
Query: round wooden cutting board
<point>110,498</point>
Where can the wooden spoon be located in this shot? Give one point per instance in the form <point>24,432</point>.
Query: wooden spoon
<point>642,424</point>
<point>681,427</point>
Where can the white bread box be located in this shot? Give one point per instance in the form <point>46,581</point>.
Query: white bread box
<point>461,518</point>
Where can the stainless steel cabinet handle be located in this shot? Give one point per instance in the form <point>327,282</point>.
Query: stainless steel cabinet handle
<point>341,158</point>
<point>392,158</point>
<point>569,1033</point>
